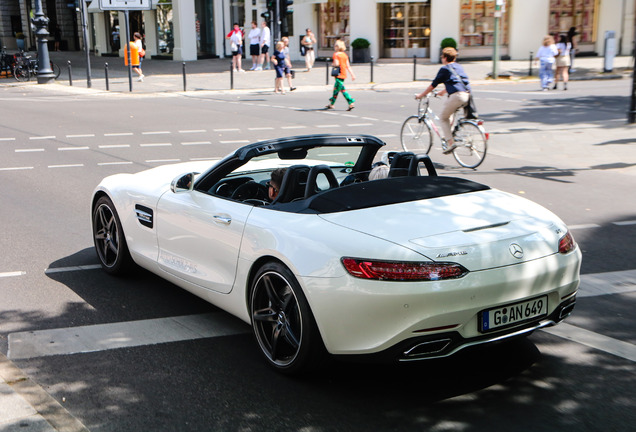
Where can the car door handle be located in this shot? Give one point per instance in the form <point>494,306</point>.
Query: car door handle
<point>226,220</point>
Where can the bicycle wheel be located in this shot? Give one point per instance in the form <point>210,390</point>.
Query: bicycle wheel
<point>416,136</point>
<point>56,70</point>
<point>21,73</point>
<point>471,144</point>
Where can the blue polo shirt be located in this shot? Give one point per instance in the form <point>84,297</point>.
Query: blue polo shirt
<point>452,84</point>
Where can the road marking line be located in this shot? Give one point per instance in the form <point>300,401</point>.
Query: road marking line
<point>598,284</point>
<point>80,136</point>
<point>42,137</point>
<point>114,146</point>
<point>328,126</point>
<point>7,139</point>
<point>293,127</point>
<point>227,130</point>
<point>66,166</point>
<point>192,131</point>
<point>12,274</point>
<point>162,160</point>
<point>205,159</point>
<point>235,142</point>
<point>115,163</point>
<point>71,148</point>
<point>350,115</point>
<point>260,128</point>
<point>113,134</point>
<point>156,145</point>
<point>73,268</point>
<point>369,118</point>
<point>624,223</point>
<point>392,121</point>
<point>29,150</point>
<point>155,133</point>
<point>100,337</point>
<point>16,168</point>
<point>359,124</point>
<point>594,340</point>
<point>583,226</point>
<point>386,136</point>
<point>191,143</point>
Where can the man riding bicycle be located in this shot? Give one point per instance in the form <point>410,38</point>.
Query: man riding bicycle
<point>457,87</point>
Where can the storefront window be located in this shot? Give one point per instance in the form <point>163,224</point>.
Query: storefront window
<point>334,23</point>
<point>406,29</point>
<point>204,26</point>
<point>165,33</point>
<point>477,23</point>
<point>573,13</point>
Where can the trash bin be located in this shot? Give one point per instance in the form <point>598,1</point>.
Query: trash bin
<point>610,51</point>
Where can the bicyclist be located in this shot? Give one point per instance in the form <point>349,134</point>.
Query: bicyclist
<point>456,86</point>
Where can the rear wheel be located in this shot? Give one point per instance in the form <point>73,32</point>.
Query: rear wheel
<point>416,136</point>
<point>108,236</point>
<point>471,143</point>
<point>282,322</point>
<point>56,70</point>
<point>21,73</point>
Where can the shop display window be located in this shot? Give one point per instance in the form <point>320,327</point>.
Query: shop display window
<point>334,23</point>
<point>477,23</point>
<point>406,29</point>
<point>574,13</point>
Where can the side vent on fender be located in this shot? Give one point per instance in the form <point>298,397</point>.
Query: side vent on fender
<point>144,215</point>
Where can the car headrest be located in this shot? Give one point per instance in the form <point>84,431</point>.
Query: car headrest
<point>312,187</point>
<point>293,185</point>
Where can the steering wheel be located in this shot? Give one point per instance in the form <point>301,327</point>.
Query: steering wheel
<point>250,190</point>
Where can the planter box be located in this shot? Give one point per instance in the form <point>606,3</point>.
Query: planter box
<point>361,55</point>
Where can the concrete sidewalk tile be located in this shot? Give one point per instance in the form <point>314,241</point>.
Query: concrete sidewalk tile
<point>34,423</point>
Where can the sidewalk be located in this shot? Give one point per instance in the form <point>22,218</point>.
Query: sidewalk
<point>163,76</point>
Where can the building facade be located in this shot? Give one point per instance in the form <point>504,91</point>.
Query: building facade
<point>185,30</point>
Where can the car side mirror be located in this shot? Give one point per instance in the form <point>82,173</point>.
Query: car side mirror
<point>183,183</point>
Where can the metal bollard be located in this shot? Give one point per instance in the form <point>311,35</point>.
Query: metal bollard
<point>326,72</point>
<point>184,76</point>
<point>106,75</point>
<point>414,67</point>
<point>70,74</point>
<point>530,68</point>
<point>371,70</point>
<point>231,76</point>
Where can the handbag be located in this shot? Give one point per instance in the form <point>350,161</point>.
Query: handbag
<point>470,109</point>
<point>335,71</point>
<point>303,50</point>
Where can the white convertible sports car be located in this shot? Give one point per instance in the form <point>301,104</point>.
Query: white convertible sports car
<point>408,267</point>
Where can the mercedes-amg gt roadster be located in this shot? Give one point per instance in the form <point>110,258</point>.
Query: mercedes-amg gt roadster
<point>408,266</point>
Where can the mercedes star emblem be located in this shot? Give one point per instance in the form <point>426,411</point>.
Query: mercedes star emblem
<point>516,250</point>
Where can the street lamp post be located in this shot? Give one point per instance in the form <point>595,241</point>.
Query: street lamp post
<point>45,73</point>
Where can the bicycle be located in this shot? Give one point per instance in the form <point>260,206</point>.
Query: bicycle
<point>25,67</point>
<point>7,62</point>
<point>471,140</point>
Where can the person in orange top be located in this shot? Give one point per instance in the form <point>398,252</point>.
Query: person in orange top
<point>134,56</point>
<point>340,58</point>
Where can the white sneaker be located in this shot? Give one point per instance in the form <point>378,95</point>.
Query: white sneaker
<point>253,68</point>
<point>258,68</point>
<point>141,78</point>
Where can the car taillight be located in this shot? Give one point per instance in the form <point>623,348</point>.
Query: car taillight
<point>567,243</point>
<point>402,271</point>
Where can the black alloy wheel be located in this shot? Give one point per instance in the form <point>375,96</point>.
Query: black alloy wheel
<point>108,235</point>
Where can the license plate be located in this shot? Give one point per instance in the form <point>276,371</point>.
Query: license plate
<point>511,314</point>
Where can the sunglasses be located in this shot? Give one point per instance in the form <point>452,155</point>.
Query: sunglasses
<point>269,185</point>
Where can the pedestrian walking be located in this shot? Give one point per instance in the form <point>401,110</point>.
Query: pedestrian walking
<point>341,60</point>
<point>288,65</point>
<point>571,33</point>
<point>134,59</point>
<point>236,44</point>
<point>255,44</point>
<point>545,55</point>
<point>142,53</point>
<point>278,60</point>
<point>457,86</point>
<point>266,38</point>
<point>308,42</point>
<point>563,62</point>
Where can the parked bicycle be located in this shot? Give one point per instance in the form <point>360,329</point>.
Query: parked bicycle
<point>26,66</point>
<point>7,62</point>
<point>471,140</point>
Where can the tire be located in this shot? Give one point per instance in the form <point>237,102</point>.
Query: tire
<point>56,70</point>
<point>416,136</point>
<point>109,239</point>
<point>21,73</point>
<point>471,144</point>
<point>282,322</point>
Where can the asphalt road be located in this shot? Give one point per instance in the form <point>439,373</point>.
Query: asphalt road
<point>569,151</point>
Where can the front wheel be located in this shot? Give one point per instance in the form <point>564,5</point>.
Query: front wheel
<point>21,73</point>
<point>56,70</point>
<point>471,143</point>
<point>416,136</point>
<point>282,322</point>
<point>109,239</point>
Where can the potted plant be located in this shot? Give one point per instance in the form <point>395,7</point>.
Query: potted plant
<point>448,42</point>
<point>361,51</point>
<point>19,40</point>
